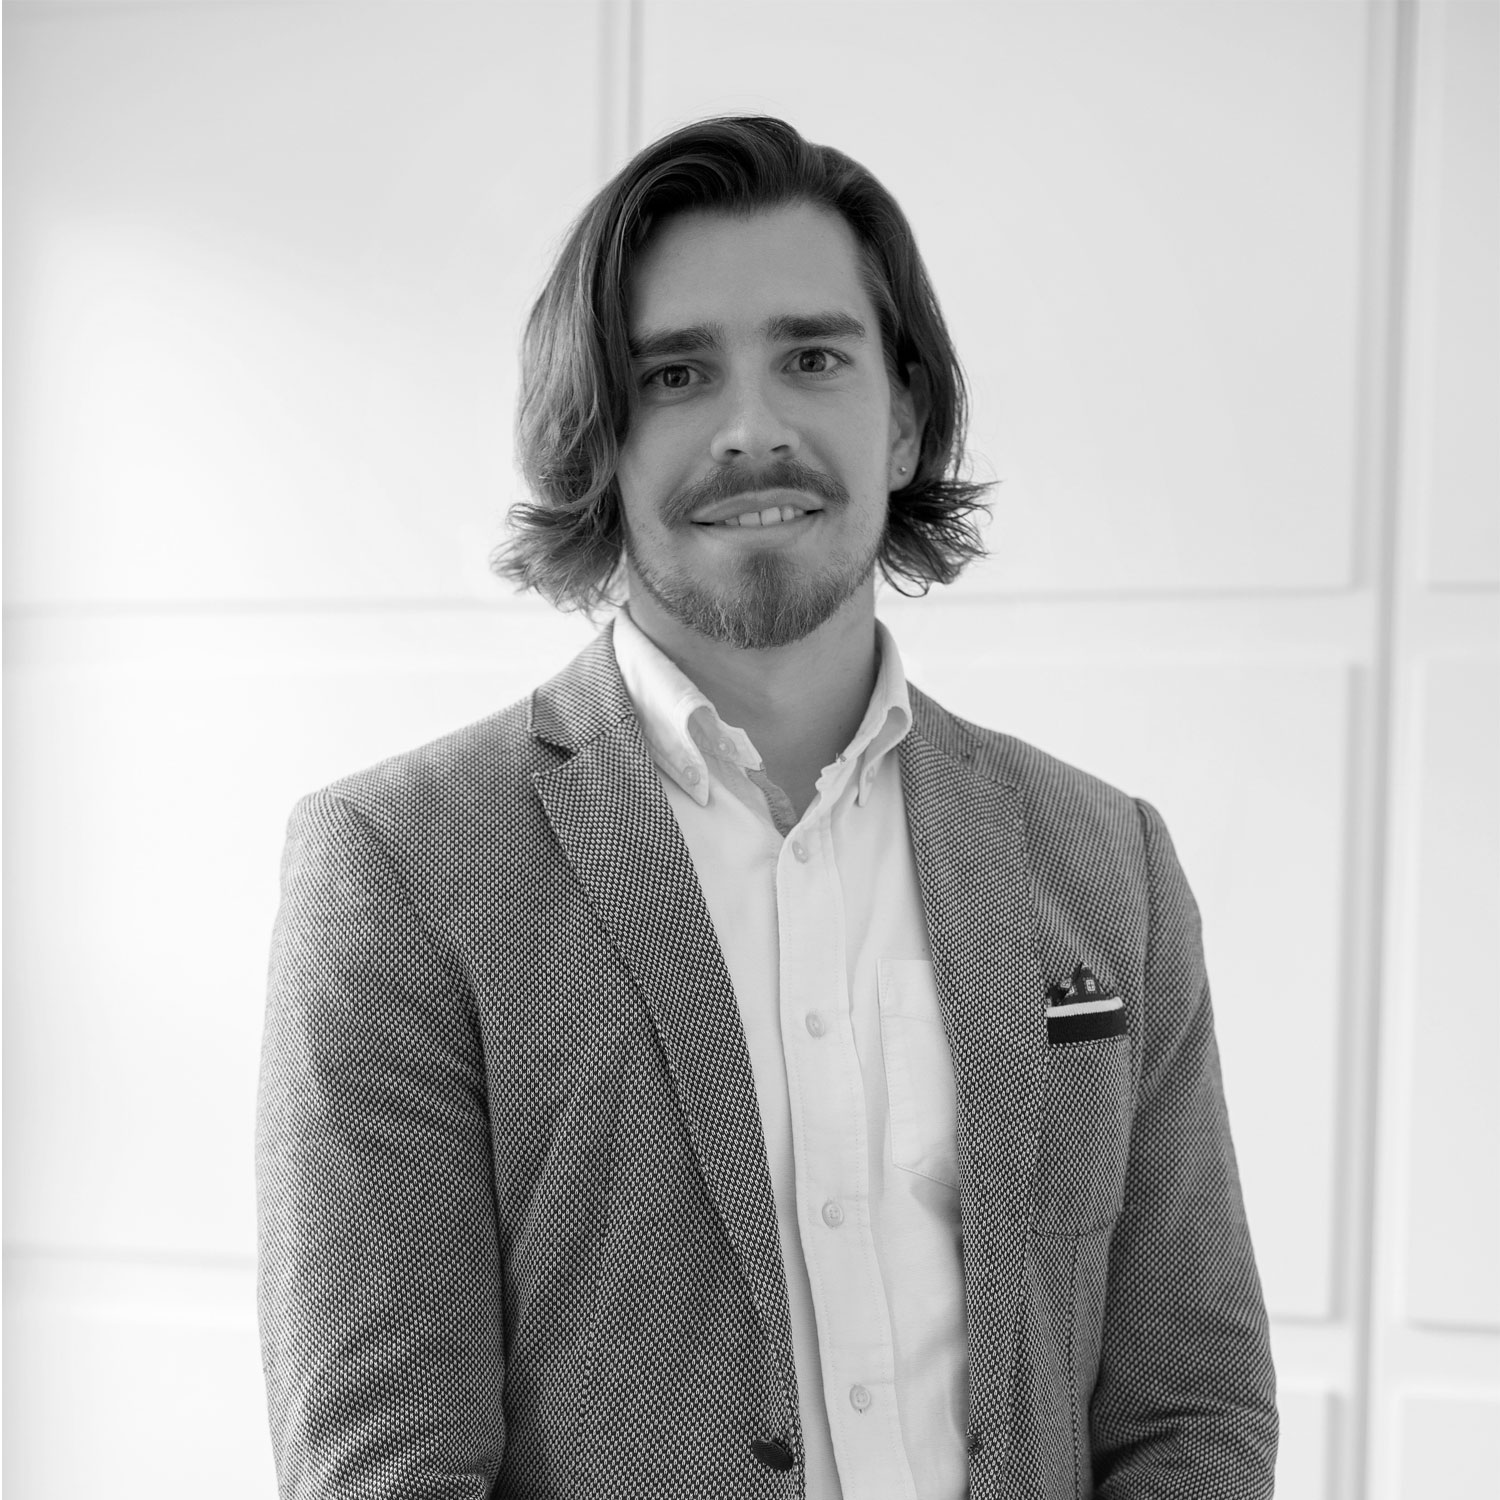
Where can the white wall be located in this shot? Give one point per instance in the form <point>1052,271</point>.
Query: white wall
<point>1222,274</point>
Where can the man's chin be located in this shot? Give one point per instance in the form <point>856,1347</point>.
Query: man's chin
<point>758,625</point>
<point>770,607</point>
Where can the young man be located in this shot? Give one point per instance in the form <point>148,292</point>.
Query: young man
<point>726,1072</point>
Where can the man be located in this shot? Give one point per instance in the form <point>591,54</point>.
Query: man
<point>726,1072</point>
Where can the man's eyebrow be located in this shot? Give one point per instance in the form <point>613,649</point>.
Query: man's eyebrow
<point>659,343</point>
<point>830,325</point>
<point>656,342</point>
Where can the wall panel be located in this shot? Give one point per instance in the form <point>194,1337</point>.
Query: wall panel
<point>1432,1371</point>
<point>1447,1445</point>
<point>1304,1460</point>
<point>1453,1225</point>
<point>1458,248</point>
<point>265,272</point>
<point>143,1380</point>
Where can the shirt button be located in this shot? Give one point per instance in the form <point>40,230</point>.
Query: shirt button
<point>725,748</point>
<point>833,1215</point>
<point>815,1024</point>
<point>800,852</point>
<point>860,1398</point>
<point>690,775</point>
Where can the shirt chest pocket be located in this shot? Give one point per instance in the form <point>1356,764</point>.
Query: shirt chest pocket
<point>1085,1138</point>
<point>920,1087</point>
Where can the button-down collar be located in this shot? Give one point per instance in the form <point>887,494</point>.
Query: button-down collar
<point>684,732</point>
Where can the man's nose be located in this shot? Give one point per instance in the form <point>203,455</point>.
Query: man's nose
<point>752,424</point>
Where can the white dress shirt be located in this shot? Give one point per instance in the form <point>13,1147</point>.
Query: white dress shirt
<point>821,926</point>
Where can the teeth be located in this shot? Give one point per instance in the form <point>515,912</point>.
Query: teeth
<point>772,515</point>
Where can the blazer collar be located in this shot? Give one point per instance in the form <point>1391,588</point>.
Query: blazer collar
<point>586,699</point>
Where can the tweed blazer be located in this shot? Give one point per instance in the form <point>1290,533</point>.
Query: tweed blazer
<point>517,1236</point>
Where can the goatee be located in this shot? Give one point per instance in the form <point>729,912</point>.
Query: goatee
<point>773,604</point>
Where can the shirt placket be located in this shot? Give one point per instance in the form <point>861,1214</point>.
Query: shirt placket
<point>829,1141</point>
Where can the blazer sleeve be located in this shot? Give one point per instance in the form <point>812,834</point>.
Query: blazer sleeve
<point>379,1276</point>
<point>1185,1402</point>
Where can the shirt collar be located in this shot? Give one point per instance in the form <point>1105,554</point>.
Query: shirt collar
<point>887,719</point>
<point>682,728</point>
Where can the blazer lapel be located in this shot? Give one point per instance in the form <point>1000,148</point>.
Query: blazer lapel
<point>617,831</point>
<point>968,836</point>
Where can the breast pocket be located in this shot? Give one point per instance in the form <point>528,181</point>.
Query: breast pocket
<point>923,1096</point>
<point>1085,1141</point>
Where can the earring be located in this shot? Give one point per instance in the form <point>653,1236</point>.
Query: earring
<point>901,468</point>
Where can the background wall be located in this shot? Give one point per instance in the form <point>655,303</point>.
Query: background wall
<point>1223,275</point>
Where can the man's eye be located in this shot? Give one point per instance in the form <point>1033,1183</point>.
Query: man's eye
<point>816,361</point>
<point>671,377</point>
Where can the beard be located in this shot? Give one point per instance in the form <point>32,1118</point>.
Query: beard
<point>773,602</point>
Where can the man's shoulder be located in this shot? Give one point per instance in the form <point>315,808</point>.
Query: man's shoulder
<point>471,783</point>
<point>486,770</point>
<point>492,751</point>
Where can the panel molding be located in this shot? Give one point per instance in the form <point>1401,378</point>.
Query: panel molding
<point>1420,625</point>
<point>193,1290</point>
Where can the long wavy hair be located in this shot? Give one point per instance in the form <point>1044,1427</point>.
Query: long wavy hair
<point>575,362</point>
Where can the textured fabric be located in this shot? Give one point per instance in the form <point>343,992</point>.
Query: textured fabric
<point>824,938</point>
<point>517,1234</point>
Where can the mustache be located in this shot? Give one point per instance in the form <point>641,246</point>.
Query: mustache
<point>725,484</point>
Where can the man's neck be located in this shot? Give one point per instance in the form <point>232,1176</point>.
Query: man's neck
<point>800,704</point>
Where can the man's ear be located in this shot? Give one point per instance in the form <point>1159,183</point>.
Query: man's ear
<point>910,404</point>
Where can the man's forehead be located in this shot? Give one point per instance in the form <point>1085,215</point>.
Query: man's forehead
<point>747,270</point>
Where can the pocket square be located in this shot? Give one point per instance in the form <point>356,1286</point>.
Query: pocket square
<point>1084,1011</point>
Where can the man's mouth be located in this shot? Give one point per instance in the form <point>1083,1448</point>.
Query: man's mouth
<point>757,509</point>
<point>772,515</point>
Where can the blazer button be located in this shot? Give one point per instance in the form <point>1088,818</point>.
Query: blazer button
<point>773,1453</point>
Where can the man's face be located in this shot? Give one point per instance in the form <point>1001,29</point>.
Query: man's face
<point>765,434</point>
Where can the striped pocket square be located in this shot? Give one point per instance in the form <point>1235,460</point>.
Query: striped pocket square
<point>1083,1011</point>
